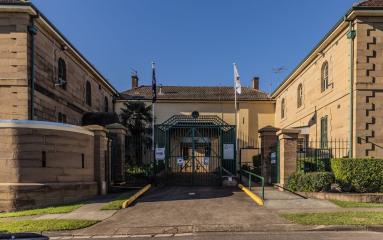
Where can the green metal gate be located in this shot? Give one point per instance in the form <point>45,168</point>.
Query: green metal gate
<point>196,149</point>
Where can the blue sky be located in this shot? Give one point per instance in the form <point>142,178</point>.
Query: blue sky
<point>194,42</point>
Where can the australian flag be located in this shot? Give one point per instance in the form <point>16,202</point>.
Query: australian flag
<point>154,83</point>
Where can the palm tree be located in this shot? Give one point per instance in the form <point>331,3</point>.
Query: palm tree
<point>137,118</point>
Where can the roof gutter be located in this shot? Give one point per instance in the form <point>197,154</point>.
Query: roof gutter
<point>341,25</point>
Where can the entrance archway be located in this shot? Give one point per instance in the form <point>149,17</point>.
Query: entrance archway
<point>197,149</point>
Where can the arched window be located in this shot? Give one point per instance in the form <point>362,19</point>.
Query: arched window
<point>88,93</point>
<point>61,77</point>
<point>324,76</point>
<point>300,95</point>
<point>106,105</point>
<point>283,108</point>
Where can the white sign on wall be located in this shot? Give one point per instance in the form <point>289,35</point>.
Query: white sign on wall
<point>206,160</point>
<point>228,151</point>
<point>180,161</point>
<point>273,157</point>
<point>160,154</point>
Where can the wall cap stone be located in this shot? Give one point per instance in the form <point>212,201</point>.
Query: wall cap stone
<point>288,133</point>
<point>268,128</point>
<point>96,128</point>
<point>116,126</point>
<point>44,125</point>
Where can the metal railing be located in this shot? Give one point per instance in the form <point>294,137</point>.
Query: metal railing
<point>250,175</point>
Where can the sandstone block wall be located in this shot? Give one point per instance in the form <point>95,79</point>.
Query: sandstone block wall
<point>47,163</point>
<point>50,100</point>
<point>13,66</point>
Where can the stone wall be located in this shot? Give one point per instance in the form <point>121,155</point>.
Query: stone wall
<point>13,66</point>
<point>46,163</point>
<point>369,87</point>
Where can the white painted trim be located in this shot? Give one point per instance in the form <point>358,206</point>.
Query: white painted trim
<point>44,125</point>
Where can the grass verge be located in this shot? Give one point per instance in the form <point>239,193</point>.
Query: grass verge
<point>346,204</point>
<point>38,211</point>
<point>336,218</point>
<point>43,225</point>
<point>116,204</point>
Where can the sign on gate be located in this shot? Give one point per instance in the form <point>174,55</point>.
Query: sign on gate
<point>206,160</point>
<point>228,151</point>
<point>180,161</point>
<point>273,158</point>
<point>160,154</point>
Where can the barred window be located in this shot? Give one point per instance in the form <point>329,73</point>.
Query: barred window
<point>283,108</point>
<point>300,95</point>
<point>62,73</point>
<point>106,105</point>
<point>324,76</point>
<point>88,94</point>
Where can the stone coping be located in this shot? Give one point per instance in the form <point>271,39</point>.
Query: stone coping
<point>44,125</point>
<point>351,197</point>
<point>46,184</point>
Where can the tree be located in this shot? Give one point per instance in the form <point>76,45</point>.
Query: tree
<point>137,118</point>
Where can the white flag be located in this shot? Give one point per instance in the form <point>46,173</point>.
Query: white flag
<point>237,83</point>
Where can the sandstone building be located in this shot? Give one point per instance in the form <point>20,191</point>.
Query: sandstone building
<point>336,91</point>
<point>43,76</point>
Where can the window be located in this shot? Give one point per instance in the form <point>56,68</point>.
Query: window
<point>43,159</point>
<point>324,76</point>
<point>88,93</point>
<point>106,105</point>
<point>82,160</point>
<point>300,96</point>
<point>62,73</point>
<point>61,118</point>
<point>283,108</point>
<point>323,132</point>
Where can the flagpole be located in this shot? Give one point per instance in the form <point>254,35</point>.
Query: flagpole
<point>236,110</point>
<point>154,85</point>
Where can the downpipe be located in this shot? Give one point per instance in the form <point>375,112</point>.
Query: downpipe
<point>32,30</point>
<point>351,35</point>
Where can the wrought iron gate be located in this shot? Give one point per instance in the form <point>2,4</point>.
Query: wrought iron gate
<point>196,149</point>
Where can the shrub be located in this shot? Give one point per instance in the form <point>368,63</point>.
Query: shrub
<point>359,175</point>
<point>310,182</point>
<point>99,118</point>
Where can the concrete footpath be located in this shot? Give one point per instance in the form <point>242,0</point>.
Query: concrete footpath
<point>185,210</point>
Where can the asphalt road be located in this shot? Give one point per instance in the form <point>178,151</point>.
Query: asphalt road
<point>263,236</point>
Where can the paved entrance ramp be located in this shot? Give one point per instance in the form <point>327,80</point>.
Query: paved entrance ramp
<point>284,200</point>
<point>189,209</point>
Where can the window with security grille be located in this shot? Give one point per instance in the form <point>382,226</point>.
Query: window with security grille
<point>324,77</point>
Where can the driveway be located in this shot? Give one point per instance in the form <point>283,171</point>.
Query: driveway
<point>189,209</point>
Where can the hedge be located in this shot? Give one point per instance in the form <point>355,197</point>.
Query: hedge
<point>358,175</point>
<point>310,182</point>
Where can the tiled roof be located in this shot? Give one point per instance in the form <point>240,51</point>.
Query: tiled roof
<point>194,93</point>
<point>370,3</point>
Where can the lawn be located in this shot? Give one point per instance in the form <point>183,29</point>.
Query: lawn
<point>38,211</point>
<point>345,204</point>
<point>116,204</point>
<point>43,225</point>
<point>337,218</point>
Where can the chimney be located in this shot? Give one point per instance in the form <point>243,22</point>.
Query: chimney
<point>255,82</point>
<point>134,80</point>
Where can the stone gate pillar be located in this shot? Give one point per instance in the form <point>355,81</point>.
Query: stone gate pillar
<point>269,141</point>
<point>288,144</point>
<point>117,134</point>
<point>100,157</point>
